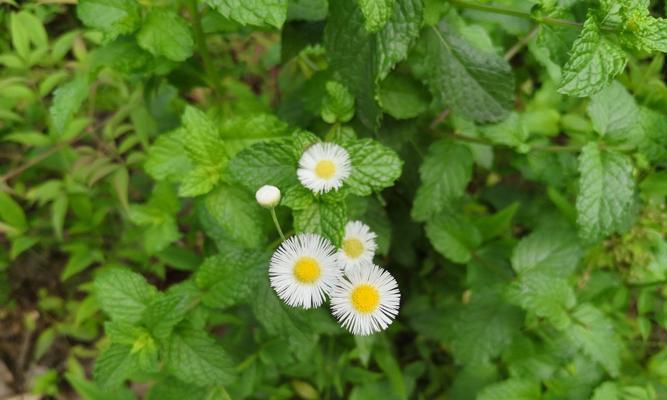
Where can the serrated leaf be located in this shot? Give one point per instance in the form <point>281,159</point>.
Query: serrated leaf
<point>12,214</point>
<point>594,61</point>
<point>327,218</point>
<point>477,84</point>
<point>270,163</point>
<point>364,58</point>
<point>645,32</point>
<point>338,105</point>
<point>374,166</point>
<point>376,13</point>
<point>199,180</point>
<point>253,12</point>
<point>164,33</point>
<point>605,203</point>
<point>115,364</point>
<point>496,224</point>
<point>194,357</point>
<point>544,295</point>
<point>227,278</point>
<point>614,112</point>
<point>515,389</point>
<point>164,313</point>
<point>167,159</point>
<point>403,97</point>
<point>453,236</point>
<point>238,213</point>
<point>445,173</point>
<point>67,100</point>
<point>553,250</point>
<point>112,17</point>
<point>595,335</point>
<point>202,139</point>
<point>123,294</point>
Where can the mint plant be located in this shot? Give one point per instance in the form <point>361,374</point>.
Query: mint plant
<point>343,199</point>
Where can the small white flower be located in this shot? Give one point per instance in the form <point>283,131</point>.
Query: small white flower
<point>324,166</point>
<point>366,300</point>
<point>304,270</point>
<point>358,247</point>
<point>268,196</point>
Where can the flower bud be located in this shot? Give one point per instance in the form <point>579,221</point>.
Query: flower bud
<point>268,196</point>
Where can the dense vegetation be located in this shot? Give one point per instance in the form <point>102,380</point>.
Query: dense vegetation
<point>508,156</point>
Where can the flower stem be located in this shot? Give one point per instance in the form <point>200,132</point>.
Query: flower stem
<point>276,223</point>
<point>516,13</point>
<point>200,40</point>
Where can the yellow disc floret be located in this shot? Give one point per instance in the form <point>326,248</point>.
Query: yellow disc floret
<point>307,270</point>
<point>353,247</point>
<point>365,298</point>
<point>325,169</point>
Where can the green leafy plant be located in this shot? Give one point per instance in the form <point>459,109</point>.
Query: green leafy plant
<point>347,199</point>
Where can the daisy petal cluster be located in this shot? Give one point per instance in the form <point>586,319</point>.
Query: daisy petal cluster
<point>304,270</point>
<point>323,167</point>
<point>358,247</point>
<point>366,300</point>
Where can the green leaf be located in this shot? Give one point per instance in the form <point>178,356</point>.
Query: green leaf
<point>123,294</point>
<point>645,32</point>
<point>376,13</point>
<point>402,97</point>
<point>494,225</point>
<point>164,313</point>
<point>114,365</point>
<point>237,212</point>
<point>515,389</point>
<point>269,163</point>
<point>327,218</point>
<point>594,334</point>
<point>445,173</point>
<point>12,214</point>
<point>607,391</point>
<point>198,181</point>
<point>614,112</point>
<point>453,236</point>
<point>477,84</point>
<point>553,250</point>
<point>594,61</point>
<point>157,217</point>
<point>225,279</point>
<point>164,33</point>
<point>194,357</point>
<point>605,203</point>
<point>67,100</point>
<point>338,105</point>
<point>510,132</point>
<point>544,295</point>
<point>374,166</point>
<point>167,159</point>
<point>364,58</point>
<point>113,17</point>
<point>253,12</point>
<point>483,328</point>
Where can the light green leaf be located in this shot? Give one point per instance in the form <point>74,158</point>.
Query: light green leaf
<point>113,17</point>
<point>376,13</point>
<point>605,203</point>
<point>253,12</point>
<point>515,389</point>
<point>238,213</point>
<point>544,295</point>
<point>595,335</point>
<point>12,214</point>
<point>646,33</point>
<point>198,181</point>
<point>453,236</point>
<point>123,294</point>
<point>269,163</point>
<point>338,104</point>
<point>374,166</point>
<point>445,173</point>
<point>225,279</point>
<point>67,100</point>
<point>614,112</point>
<point>553,250</point>
<point>477,84</point>
<point>194,357</point>
<point>326,218</point>
<point>164,33</point>
<point>164,312</point>
<point>496,224</point>
<point>202,139</point>
<point>114,365</point>
<point>167,159</point>
<point>403,97</point>
<point>594,61</point>
<point>510,132</point>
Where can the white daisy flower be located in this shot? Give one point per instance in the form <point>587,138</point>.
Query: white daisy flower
<point>304,270</point>
<point>366,300</point>
<point>268,196</point>
<point>324,166</point>
<point>358,247</point>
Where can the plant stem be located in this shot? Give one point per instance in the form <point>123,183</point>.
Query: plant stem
<point>276,223</point>
<point>516,13</point>
<point>200,39</point>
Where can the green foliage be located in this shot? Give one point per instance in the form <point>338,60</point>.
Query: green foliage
<point>509,157</point>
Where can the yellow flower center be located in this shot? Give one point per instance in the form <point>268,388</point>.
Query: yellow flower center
<point>353,248</point>
<point>365,298</point>
<point>307,270</point>
<point>325,169</point>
